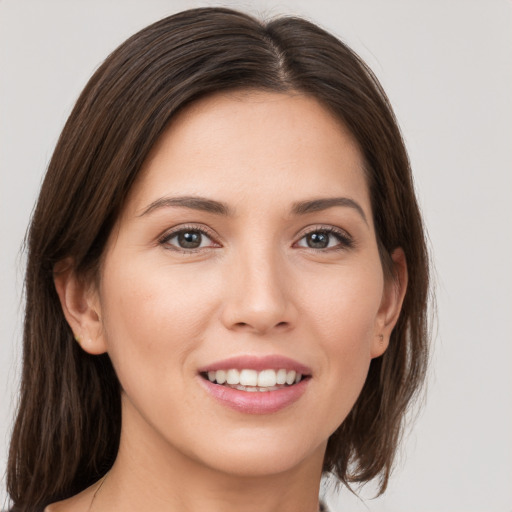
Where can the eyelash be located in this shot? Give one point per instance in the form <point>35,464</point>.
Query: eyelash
<point>164,240</point>
<point>344,239</point>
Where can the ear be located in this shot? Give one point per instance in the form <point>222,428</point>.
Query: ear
<point>393,295</point>
<point>81,306</point>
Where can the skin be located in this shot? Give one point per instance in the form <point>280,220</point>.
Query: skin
<point>254,287</point>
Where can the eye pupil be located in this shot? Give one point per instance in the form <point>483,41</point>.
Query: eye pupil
<point>189,239</point>
<point>318,240</point>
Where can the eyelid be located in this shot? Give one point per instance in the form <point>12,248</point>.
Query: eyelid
<point>345,238</point>
<point>170,233</point>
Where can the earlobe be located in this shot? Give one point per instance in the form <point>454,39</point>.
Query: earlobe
<point>80,305</point>
<point>393,295</point>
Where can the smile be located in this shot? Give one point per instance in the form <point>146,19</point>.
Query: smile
<point>253,380</point>
<point>254,384</point>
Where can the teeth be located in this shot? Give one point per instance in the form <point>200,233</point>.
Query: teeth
<point>233,377</point>
<point>281,377</point>
<point>252,389</point>
<point>248,378</point>
<point>251,380</point>
<point>290,377</point>
<point>267,378</point>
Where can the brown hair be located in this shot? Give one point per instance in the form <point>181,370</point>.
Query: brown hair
<point>67,429</point>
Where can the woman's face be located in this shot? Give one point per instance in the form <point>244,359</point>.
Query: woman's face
<point>246,247</point>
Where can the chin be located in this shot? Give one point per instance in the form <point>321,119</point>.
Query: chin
<point>264,455</point>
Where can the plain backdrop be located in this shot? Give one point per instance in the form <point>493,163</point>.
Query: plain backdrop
<point>447,68</point>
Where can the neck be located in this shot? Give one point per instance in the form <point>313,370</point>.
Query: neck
<point>152,475</point>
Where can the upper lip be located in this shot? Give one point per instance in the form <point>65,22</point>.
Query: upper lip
<point>257,363</point>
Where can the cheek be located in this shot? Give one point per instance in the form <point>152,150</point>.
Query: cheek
<point>342,310</point>
<point>344,304</point>
<point>151,312</point>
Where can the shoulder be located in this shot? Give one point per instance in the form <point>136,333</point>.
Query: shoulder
<point>78,503</point>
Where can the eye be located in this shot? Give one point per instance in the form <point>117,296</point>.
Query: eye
<point>188,239</point>
<point>326,238</point>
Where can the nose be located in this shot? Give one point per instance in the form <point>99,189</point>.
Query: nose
<point>259,295</point>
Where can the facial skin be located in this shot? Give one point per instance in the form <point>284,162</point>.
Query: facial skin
<point>253,287</point>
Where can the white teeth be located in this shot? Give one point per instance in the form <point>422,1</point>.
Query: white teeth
<point>252,380</point>
<point>220,376</point>
<point>290,377</point>
<point>252,389</point>
<point>281,377</point>
<point>248,377</point>
<point>267,378</point>
<point>233,377</point>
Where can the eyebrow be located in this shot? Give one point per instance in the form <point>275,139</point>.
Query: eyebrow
<point>219,208</point>
<point>192,202</point>
<point>316,205</point>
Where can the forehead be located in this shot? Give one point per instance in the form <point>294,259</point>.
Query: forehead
<point>253,145</point>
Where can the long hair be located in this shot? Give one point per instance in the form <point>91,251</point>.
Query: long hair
<point>68,424</point>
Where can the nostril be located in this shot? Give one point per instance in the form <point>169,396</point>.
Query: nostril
<point>245,324</point>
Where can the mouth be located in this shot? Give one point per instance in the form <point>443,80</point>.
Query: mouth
<point>250,380</point>
<point>252,384</point>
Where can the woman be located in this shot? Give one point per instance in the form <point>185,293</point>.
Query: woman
<point>227,278</point>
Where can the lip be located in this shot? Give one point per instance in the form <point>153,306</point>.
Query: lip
<point>258,363</point>
<point>258,402</point>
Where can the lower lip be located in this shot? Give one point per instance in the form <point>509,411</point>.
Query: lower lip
<point>256,402</point>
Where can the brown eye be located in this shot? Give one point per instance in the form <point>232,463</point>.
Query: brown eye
<point>318,240</point>
<point>326,239</point>
<point>187,239</point>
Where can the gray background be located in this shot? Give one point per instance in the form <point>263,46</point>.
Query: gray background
<point>447,67</point>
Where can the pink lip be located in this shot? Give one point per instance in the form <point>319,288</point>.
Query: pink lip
<point>256,402</point>
<point>258,363</point>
